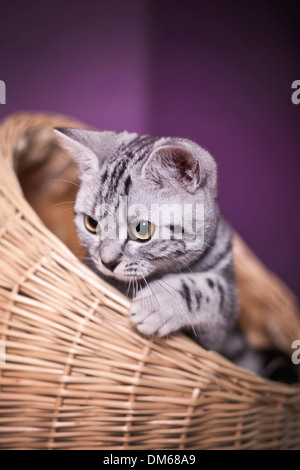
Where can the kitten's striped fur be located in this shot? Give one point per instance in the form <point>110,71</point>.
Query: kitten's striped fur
<point>172,287</point>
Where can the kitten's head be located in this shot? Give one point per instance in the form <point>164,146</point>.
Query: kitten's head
<point>146,205</point>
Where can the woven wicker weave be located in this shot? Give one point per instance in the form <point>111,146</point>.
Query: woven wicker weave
<point>77,375</point>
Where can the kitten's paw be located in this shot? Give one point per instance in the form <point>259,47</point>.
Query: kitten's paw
<point>147,320</point>
<point>154,312</point>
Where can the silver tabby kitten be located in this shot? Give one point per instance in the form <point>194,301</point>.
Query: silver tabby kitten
<point>180,267</point>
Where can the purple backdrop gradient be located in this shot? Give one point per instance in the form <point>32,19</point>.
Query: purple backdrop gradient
<point>218,72</point>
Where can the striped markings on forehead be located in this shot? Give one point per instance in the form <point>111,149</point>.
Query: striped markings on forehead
<point>116,178</point>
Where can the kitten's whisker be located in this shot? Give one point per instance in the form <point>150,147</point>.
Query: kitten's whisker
<point>135,287</point>
<point>128,288</point>
<point>183,311</point>
<point>186,266</point>
<point>166,291</point>
<point>204,243</point>
<point>150,290</point>
<point>164,287</point>
<point>161,311</point>
<point>142,294</point>
<point>62,203</point>
<point>65,181</point>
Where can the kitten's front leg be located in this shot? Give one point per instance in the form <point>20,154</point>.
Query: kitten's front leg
<point>202,302</point>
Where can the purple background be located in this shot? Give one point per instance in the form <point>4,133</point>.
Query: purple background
<point>218,72</point>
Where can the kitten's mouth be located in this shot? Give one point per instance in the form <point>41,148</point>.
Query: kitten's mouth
<point>125,275</point>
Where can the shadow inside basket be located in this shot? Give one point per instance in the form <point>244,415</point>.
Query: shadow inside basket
<point>49,180</point>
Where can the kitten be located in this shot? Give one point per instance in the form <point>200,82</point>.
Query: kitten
<point>171,248</point>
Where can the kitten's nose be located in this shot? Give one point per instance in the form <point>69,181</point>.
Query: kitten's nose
<point>111,265</point>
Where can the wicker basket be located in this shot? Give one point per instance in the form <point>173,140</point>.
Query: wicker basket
<point>76,374</point>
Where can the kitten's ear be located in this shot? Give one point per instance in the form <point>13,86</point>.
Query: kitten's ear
<point>185,162</point>
<point>83,145</point>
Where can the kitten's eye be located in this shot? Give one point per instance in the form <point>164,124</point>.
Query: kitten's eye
<point>90,224</point>
<point>141,230</point>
